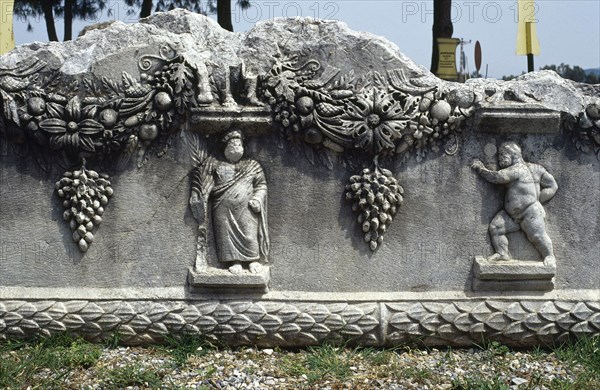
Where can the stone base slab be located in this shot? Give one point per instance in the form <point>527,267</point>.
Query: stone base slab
<point>513,285</point>
<point>512,270</point>
<point>222,279</point>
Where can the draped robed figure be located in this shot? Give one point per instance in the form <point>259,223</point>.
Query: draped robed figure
<point>236,190</point>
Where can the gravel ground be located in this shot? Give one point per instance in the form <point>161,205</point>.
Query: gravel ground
<point>332,368</point>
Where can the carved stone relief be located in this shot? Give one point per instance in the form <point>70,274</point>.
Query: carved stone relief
<point>361,112</point>
<point>236,190</point>
<point>528,185</point>
<point>368,117</point>
<point>86,193</point>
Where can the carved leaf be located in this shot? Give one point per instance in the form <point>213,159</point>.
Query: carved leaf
<point>318,312</point>
<point>196,145</point>
<point>288,313</point>
<point>400,320</point>
<point>547,330</point>
<point>271,323</point>
<point>110,86</point>
<point>12,319</point>
<point>224,330</point>
<point>125,312</point>
<point>42,318</point>
<point>351,330</point>
<point>497,321</point>
<point>140,322</point>
<point>240,322</point>
<point>206,324</point>
<point>27,310</point>
<point>91,312</point>
<point>157,312</point>
<point>109,321</point>
<point>515,312</point>
<point>305,321</point>
<point>307,339</point>
<point>581,311</point>
<point>126,331</point>
<point>352,314</point>
<point>91,329</point>
<point>174,322</point>
<point>207,308</point>
<point>15,332</point>
<point>565,321</point>
<point>132,87</point>
<point>594,321</point>
<point>320,330</point>
<point>368,323</point>
<point>73,321</point>
<point>158,328</point>
<point>223,313</point>
<point>255,313</point>
<point>334,322</point>
<point>57,311</point>
<point>29,325</point>
<point>56,327</point>
<point>256,330</point>
<point>190,330</point>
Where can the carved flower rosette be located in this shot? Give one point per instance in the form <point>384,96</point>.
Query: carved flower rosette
<point>371,117</point>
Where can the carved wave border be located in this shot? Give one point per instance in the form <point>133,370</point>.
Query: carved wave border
<point>271,323</point>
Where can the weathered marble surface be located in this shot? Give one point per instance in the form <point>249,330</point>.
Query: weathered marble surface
<point>325,281</point>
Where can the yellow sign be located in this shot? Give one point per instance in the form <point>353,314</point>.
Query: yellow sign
<point>527,40</point>
<point>447,58</point>
<point>7,39</point>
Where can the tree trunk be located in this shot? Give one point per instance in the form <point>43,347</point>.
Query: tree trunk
<point>68,20</point>
<point>442,27</point>
<point>49,17</point>
<point>146,9</point>
<point>224,14</point>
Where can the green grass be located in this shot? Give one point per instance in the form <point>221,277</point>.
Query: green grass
<point>130,375</point>
<point>329,362</point>
<point>479,384</point>
<point>181,348</point>
<point>60,355</point>
<point>582,356</point>
<point>320,363</point>
<point>48,363</point>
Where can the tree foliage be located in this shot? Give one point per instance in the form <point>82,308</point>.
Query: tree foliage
<point>30,10</point>
<point>221,7</point>
<point>575,73</point>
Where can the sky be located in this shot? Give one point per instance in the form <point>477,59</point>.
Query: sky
<point>568,30</point>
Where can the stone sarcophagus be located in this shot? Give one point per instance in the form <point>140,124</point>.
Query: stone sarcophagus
<point>295,184</point>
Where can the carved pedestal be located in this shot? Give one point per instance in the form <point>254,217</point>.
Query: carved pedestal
<point>223,280</point>
<point>512,275</point>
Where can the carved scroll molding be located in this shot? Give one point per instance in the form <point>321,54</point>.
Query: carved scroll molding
<point>458,323</point>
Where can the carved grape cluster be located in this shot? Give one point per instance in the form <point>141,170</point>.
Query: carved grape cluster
<point>285,115</point>
<point>377,196</point>
<point>85,194</point>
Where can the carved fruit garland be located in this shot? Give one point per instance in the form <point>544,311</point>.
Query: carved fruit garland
<point>372,115</point>
<point>86,193</point>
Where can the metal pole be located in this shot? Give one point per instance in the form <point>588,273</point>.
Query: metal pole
<point>529,47</point>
